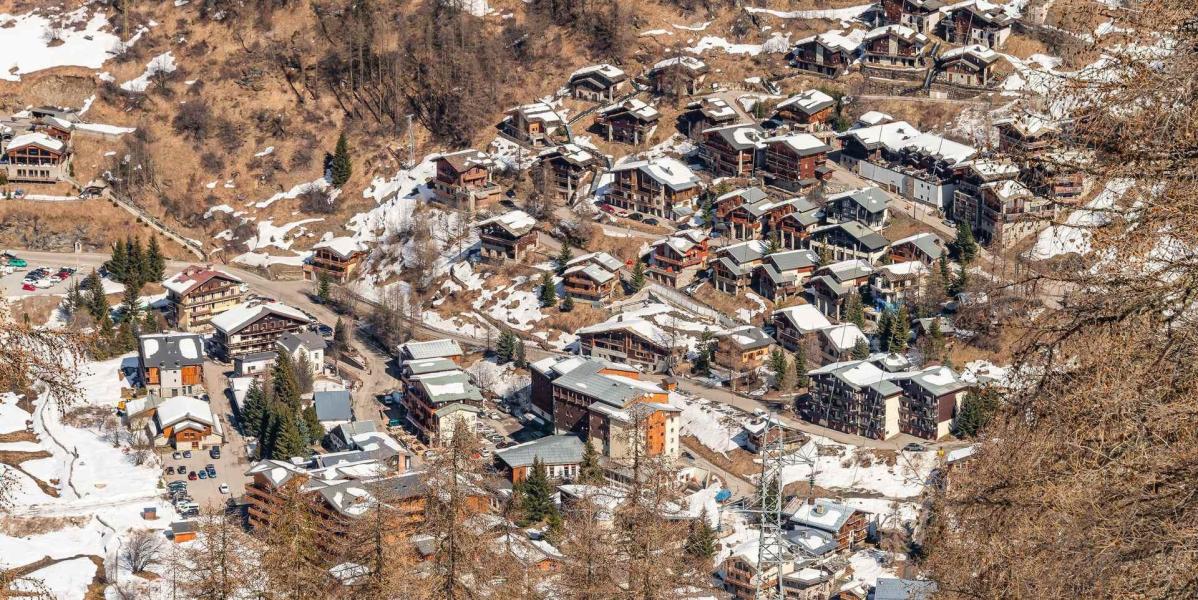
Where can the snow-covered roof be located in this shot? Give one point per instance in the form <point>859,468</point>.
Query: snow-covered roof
<point>1028,124</point>
<point>642,328</point>
<point>928,243</point>
<point>570,152</point>
<point>171,350</point>
<point>804,144</point>
<point>665,170</point>
<point>36,138</point>
<point>844,336</point>
<point>977,51</point>
<point>934,145</point>
<point>344,246</point>
<point>610,72</point>
<point>836,39</point>
<point>740,136</point>
<point>601,259</point>
<point>874,117</point>
<point>823,514</point>
<point>633,106</point>
<point>900,30</point>
<point>904,269</point>
<point>187,279</point>
<point>239,316</point>
<point>1007,188</point>
<point>516,222</point>
<point>747,337</point>
<point>689,62</point>
<point>431,349</point>
<point>810,101</point>
<point>893,135</point>
<point>804,317</point>
<point>539,111</point>
<point>184,408</point>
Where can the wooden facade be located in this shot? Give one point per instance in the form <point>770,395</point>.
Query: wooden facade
<point>641,190</point>
<point>795,168</point>
<point>328,262</point>
<point>259,335</point>
<point>215,293</point>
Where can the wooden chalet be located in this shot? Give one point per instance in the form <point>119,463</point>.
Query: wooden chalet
<point>463,179</point>
<point>923,16</point>
<point>869,206</point>
<point>246,329</point>
<point>507,237</point>
<point>742,349</point>
<point>738,213</point>
<point>1010,212</point>
<point>931,400</point>
<point>926,248</point>
<point>171,364</point>
<point>592,277</point>
<point>536,124</point>
<point>832,283</point>
<point>628,340</point>
<point>1026,135</point>
<point>782,275</point>
<point>894,284</point>
<point>336,259</point>
<point>829,54</point>
<point>978,22</point>
<point>631,121</point>
<point>848,241</point>
<point>568,170</point>
<point>972,66</point>
<point>659,187</point>
<point>732,150</point>
<point>733,266</point>
<point>795,326</point>
<point>438,402</point>
<point>679,76</point>
<point>706,113</point>
<point>676,255</point>
<point>35,157</point>
<point>970,177</point>
<point>796,162</point>
<point>846,524</point>
<point>794,228</point>
<point>808,111</point>
<point>598,83</point>
<point>198,293</point>
<point>895,46</point>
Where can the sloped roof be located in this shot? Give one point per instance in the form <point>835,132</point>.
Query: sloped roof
<point>334,405</point>
<point>632,106</point>
<point>690,63</point>
<point>927,243</point>
<point>741,136</point>
<point>611,73</point>
<point>844,336</point>
<point>551,450</point>
<point>464,160</point>
<point>431,349</point>
<point>804,317</point>
<point>447,386</point>
<point>747,337</point>
<point>308,339</point>
<point>872,198</point>
<point>36,138</point>
<point>232,320</point>
<point>180,408</point>
<point>516,222</point>
<point>804,144</point>
<point>809,102</point>
<point>184,281</point>
<point>667,171</point>
<point>344,246</point>
<point>171,350</point>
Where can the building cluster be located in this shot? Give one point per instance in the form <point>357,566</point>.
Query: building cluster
<point>35,145</point>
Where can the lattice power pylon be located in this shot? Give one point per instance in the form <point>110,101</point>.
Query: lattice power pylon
<point>772,552</point>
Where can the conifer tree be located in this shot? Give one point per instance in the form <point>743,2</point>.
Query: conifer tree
<point>967,247</point>
<point>135,267</point>
<point>253,410</point>
<point>774,244</point>
<point>155,262</point>
<point>286,386</point>
<point>885,325</point>
<point>149,322</point>
<point>854,310</point>
<point>342,166</point>
<point>960,284</point>
<point>861,349</point>
<point>704,352</point>
<point>900,331</point>
<point>778,367</point>
<point>825,254</point>
<point>518,355</point>
<point>505,349</point>
<point>548,290</point>
<point>701,539</point>
<point>130,305</point>
<point>98,302</point>
<point>324,289</point>
<point>290,440</point>
<point>119,263</point>
<point>976,411</point>
<point>945,272</point>
<point>74,299</point>
<point>589,470</point>
<point>312,425</point>
<point>340,336</point>
<point>536,494</point>
<point>564,257</point>
<point>800,364</point>
<point>638,276</point>
<point>935,350</point>
<point>567,304</point>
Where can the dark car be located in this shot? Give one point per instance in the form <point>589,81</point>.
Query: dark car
<point>203,474</point>
<point>170,470</point>
<point>636,216</point>
<point>187,454</point>
<point>192,476</point>
<point>214,452</point>
<point>324,330</point>
<point>211,471</point>
<point>176,455</point>
<point>650,221</point>
<point>913,447</point>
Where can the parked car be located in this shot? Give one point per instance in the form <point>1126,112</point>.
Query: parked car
<point>203,474</point>
<point>650,221</point>
<point>187,454</point>
<point>914,447</point>
<point>211,470</point>
<point>28,287</point>
<point>224,488</point>
<point>607,208</point>
<point>192,476</point>
<point>636,216</point>
<point>214,452</point>
<point>176,455</point>
<point>170,470</point>
<point>177,484</point>
<point>45,283</point>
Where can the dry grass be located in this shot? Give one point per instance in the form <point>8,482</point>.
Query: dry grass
<point>1023,46</point>
<point>96,224</point>
<point>725,303</point>
<point>568,322</point>
<point>923,114</point>
<point>738,462</point>
<point>38,309</point>
<point>28,526</point>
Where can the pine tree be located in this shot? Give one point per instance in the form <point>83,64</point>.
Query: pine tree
<point>945,272</point>
<point>967,247</point>
<point>286,386</point>
<point>704,353</point>
<point>536,494</point>
<point>126,337</point>
<point>774,245</point>
<point>119,263</point>
<point>131,305</point>
<point>638,276</point>
<point>290,440</point>
<point>149,322</point>
<point>854,310</point>
<point>567,304</point>
<point>340,336</point>
<point>861,349</point>
<point>342,165</point>
<point>253,409</point>
<point>589,470</point>
<point>548,290</point>
<point>312,425</point>
<point>323,289</point>
<point>304,373</point>
<point>778,367</point>
<point>900,332</point>
<point>518,356</point>
<point>564,257</point>
<point>135,268</point>
<point>976,410</point>
<point>800,363</point>
<point>701,539</point>
<point>505,349</point>
<point>74,299</point>
<point>825,254</point>
<point>960,284</point>
<point>98,302</point>
<point>885,327</point>
<point>155,262</point>
<point>935,351</point>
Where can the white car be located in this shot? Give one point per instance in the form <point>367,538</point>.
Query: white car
<point>44,283</point>
<point>224,488</point>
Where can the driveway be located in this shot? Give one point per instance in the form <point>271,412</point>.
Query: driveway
<point>206,492</point>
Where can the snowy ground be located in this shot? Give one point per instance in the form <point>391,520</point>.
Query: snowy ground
<point>27,49</point>
<point>717,426</point>
<point>1073,236</point>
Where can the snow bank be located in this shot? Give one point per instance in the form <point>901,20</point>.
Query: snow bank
<point>839,467</point>
<point>1073,236</point>
<point>714,425</point>
<point>163,63</point>
<point>835,14</point>
<point>26,49</point>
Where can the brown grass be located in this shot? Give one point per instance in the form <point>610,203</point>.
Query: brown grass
<point>27,526</point>
<point>39,309</point>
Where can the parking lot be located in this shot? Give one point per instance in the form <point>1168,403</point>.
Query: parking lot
<point>10,285</point>
<point>206,492</point>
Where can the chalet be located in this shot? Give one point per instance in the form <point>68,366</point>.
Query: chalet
<point>184,423</point>
<point>568,170</point>
<point>829,54</point>
<point>848,525</point>
<point>628,340</point>
<point>833,283</point>
<point>592,277</point>
<point>853,397</point>
<point>676,259</point>
<point>171,364</point>
<point>894,284</point>
<point>1010,212</point>
<point>247,328</point>
<point>870,118</point>
<point>598,83</point>
<point>849,240</point>
<point>680,76</point>
<point>35,157</point>
<point>901,159</point>
<point>197,294</point>
<point>254,364</point>
<point>922,16</point>
<point>808,111</point>
<point>536,124</point>
<point>706,113</point>
<point>596,399</point>
<point>926,248</point>
<point>972,66</point>
<point>978,22</point>
<point>631,121</point>
<point>767,430</point>
<point>1051,173</point>
<point>867,206</point>
<point>304,346</point>
<point>726,204</point>
<point>412,368</point>
<point>796,162</point>
<point>795,228</point>
<point>437,403</point>
<point>660,187</point>
<point>362,440</point>
<point>507,237</point>
<point>463,179</point>
<point>807,583</point>
<point>336,259</point>
<point>802,579</point>
<point>733,267</point>
<point>333,407</point>
<point>529,551</point>
<point>795,326</point>
<point>895,46</point>
<point>1026,135</point>
<point>971,175</point>
<point>561,455</point>
<point>931,400</point>
<point>781,275</point>
<point>838,342</point>
<point>732,150</point>
<point>742,349</point>
<point>415,351</point>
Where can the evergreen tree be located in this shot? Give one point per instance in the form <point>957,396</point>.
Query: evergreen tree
<point>548,290</point>
<point>976,411</point>
<point>155,262</point>
<point>861,349</point>
<point>126,337</point>
<point>701,538</point>
<point>289,440</point>
<point>135,268</point>
<point>505,349</point>
<point>304,373</point>
<point>130,305</point>
<point>118,265</point>
<point>900,331</point>
<point>704,353</point>
<point>967,247</point>
<point>98,302</point>
<point>638,276</point>
<point>104,340</point>
<point>778,367</point>
<point>800,364</point>
<point>324,289</point>
<point>825,255</point>
<point>149,322</point>
<point>589,470</point>
<point>253,410</point>
<point>774,244</point>
<point>945,272</point>
<point>536,494</point>
<point>854,309</point>
<point>342,165</point>
<point>567,304</point>
<point>74,300</point>
<point>340,336</point>
<point>312,425</point>
<point>564,257</point>
<point>935,346</point>
<point>885,327</point>
<point>286,387</point>
<point>518,356</point>
<point>960,283</point>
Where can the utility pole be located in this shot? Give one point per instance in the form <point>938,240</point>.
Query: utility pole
<point>772,551</point>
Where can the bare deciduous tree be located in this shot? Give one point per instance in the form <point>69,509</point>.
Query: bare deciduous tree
<point>142,550</point>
